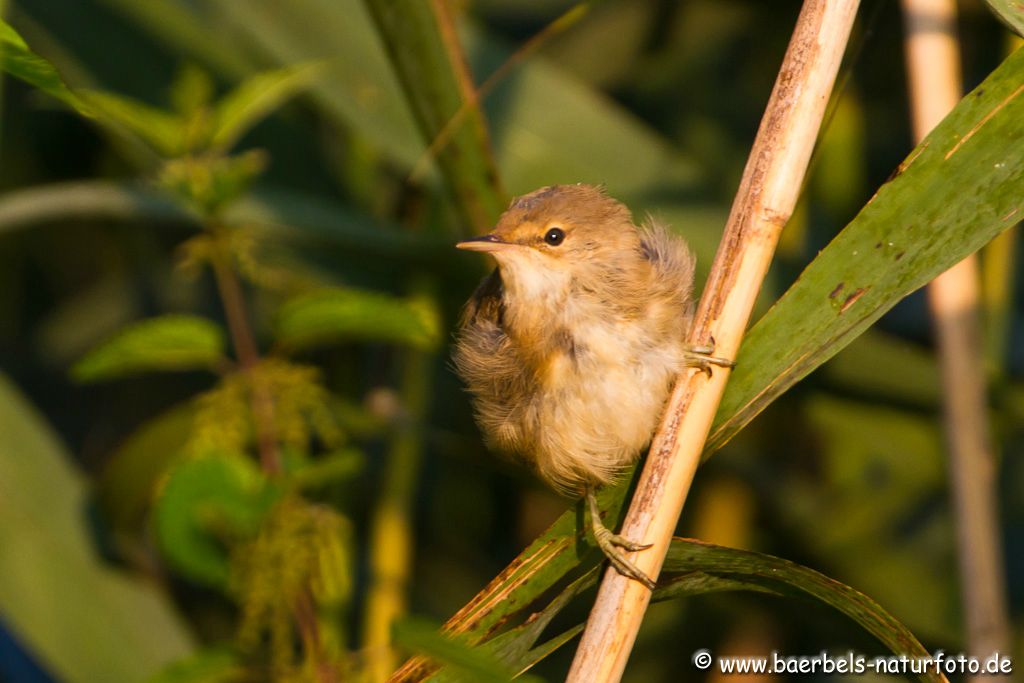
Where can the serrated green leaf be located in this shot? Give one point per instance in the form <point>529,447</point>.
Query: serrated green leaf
<point>204,502</point>
<point>170,342</point>
<point>125,487</point>
<point>1010,12</point>
<point>17,59</point>
<point>329,468</point>
<point>334,315</point>
<point>161,130</point>
<point>257,97</point>
<point>82,620</point>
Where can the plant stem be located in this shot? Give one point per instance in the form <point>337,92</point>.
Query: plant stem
<point>262,405</point>
<point>765,201</point>
<point>244,343</point>
<point>391,532</point>
<point>954,298</point>
<point>304,611</point>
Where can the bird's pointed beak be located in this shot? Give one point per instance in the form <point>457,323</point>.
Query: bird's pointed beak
<point>484,243</point>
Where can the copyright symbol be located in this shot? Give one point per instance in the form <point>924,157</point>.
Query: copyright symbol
<point>702,659</point>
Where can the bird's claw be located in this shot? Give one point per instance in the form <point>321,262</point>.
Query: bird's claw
<point>700,357</point>
<point>620,541</point>
<point>610,544</point>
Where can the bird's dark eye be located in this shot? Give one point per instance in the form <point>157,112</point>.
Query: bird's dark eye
<point>554,236</point>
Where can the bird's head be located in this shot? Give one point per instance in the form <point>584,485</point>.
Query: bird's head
<point>561,232</point>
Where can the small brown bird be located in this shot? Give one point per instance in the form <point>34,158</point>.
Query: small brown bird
<point>571,346</point>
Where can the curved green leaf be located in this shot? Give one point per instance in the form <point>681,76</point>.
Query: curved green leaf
<point>204,502</point>
<point>17,59</point>
<point>329,468</point>
<point>255,98</point>
<point>747,570</point>
<point>333,315</point>
<point>161,130</point>
<point>170,342</point>
<point>89,200</point>
<point>84,620</point>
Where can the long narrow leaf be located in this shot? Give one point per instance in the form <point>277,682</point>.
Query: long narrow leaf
<point>962,186</point>
<point>299,216</point>
<point>425,53</point>
<point>466,663</point>
<point>749,570</point>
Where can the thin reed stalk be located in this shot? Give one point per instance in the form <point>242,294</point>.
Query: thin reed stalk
<point>954,298</point>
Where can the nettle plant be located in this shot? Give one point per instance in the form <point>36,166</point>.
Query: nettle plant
<point>234,508</point>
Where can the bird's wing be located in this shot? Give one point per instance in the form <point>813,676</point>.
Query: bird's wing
<point>671,260</point>
<point>485,306</point>
<point>486,360</point>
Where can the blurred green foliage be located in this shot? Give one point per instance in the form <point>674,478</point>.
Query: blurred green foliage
<point>251,172</point>
<point>171,342</point>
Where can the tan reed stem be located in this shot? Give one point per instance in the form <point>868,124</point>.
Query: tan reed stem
<point>933,66</point>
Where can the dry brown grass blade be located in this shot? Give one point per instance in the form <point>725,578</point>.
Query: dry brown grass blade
<point>933,66</point>
<point>764,202</point>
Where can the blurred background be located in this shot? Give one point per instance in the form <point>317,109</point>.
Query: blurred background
<point>343,218</point>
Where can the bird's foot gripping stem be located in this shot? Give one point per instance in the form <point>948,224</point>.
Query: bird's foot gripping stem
<point>700,357</point>
<point>612,544</point>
